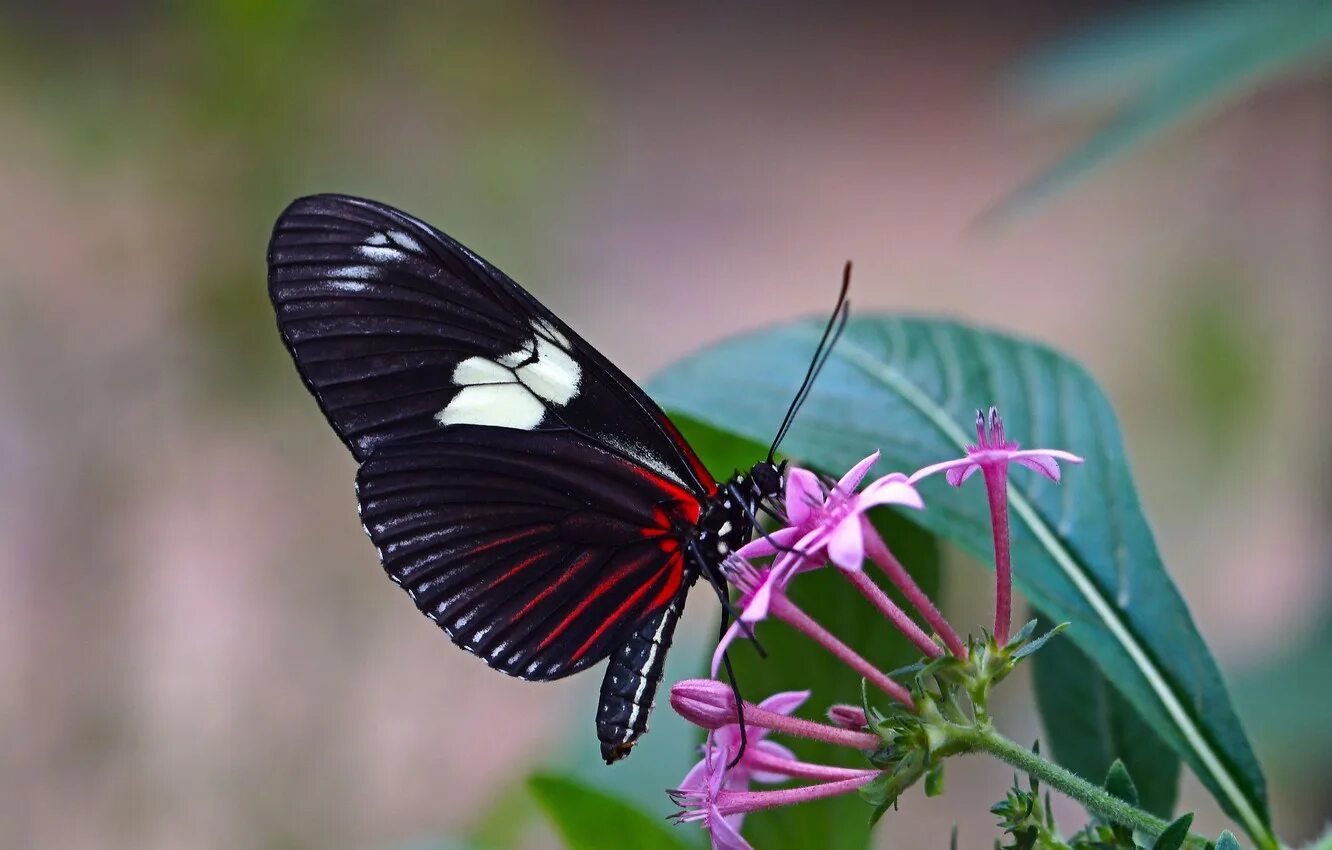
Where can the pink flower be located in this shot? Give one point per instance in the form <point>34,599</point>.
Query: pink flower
<point>710,704</point>
<point>716,792</point>
<point>698,797</point>
<point>991,455</point>
<point>992,451</point>
<point>831,523</point>
<point>705,795</point>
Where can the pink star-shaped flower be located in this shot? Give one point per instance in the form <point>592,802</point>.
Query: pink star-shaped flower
<point>992,451</point>
<point>831,523</point>
<point>992,454</point>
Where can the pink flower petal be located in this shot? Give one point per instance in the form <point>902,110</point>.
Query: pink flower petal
<point>1054,453</point>
<point>757,608</point>
<point>1044,465</point>
<point>771,749</point>
<point>852,479</point>
<point>846,546</point>
<point>735,631</point>
<point>958,474</point>
<point>889,490</point>
<point>785,702</point>
<point>804,495</point>
<point>725,831</point>
<point>697,777</point>
<point>764,545</point>
<point>927,471</point>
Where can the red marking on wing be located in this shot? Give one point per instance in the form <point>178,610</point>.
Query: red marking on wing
<point>621,611</point>
<point>668,590</point>
<point>509,538</point>
<point>518,567</point>
<point>687,501</point>
<point>568,574</point>
<point>700,471</point>
<point>602,586</point>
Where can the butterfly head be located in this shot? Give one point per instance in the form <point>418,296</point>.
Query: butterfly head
<point>766,478</point>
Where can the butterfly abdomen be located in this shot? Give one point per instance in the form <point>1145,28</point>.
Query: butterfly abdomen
<point>630,685</point>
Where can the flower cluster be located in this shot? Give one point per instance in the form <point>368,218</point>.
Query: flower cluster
<point>827,524</point>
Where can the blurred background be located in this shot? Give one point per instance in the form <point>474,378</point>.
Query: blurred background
<point>197,648</point>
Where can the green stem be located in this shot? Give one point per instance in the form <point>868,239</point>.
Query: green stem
<point>1095,798</point>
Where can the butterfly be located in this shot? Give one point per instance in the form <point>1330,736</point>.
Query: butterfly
<point>530,498</point>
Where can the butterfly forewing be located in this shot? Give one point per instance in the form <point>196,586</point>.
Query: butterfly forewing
<point>399,331</point>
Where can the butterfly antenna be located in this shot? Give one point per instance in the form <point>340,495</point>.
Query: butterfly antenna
<point>739,707</point>
<point>831,331</point>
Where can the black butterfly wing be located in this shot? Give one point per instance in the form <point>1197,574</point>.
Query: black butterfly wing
<point>400,332</point>
<point>539,552</point>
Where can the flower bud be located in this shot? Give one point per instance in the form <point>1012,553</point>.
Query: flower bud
<point>847,716</point>
<point>704,702</point>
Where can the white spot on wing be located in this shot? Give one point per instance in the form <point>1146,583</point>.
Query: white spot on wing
<point>479,370</point>
<point>355,272</point>
<point>524,352</point>
<point>382,254</point>
<point>347,285</point>
<point>550,332</point>
<point>405,241</point>
<point>501,405</point>
<point>554,375</point>
<point>513,390</point>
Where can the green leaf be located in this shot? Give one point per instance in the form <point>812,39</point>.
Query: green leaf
<point>588,819</point>
<point>1283,35</point>
<point>1174,835</point>
<point>796,663</point>
<point>1090,726</point>
<point>1083,551</point>
<point>1119,781</point>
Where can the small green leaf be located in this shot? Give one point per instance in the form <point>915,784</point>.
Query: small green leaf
<point>1119,783</point>
<point>1083,551</point>
<point>876,791</point>
<point>934,781</point>
<point>1228,841</point>
<point>1029,648</point>
<point>588,819</point>
<point>1089,726</point>
<point>1174,835</point>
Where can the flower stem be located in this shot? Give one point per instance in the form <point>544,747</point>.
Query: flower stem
<point>897,574</point>
<point>895,615</point>
<point>787,611</point>
<point>737,802</point>
<point>1095,798</point>
<point>803,728</point>
<point>758,759</point>
<point>996,487</point>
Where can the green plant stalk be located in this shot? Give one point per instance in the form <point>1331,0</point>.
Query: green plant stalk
<point>1096,799</point>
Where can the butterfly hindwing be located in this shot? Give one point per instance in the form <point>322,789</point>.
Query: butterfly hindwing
<point>537,551</point>
<point>400,332</point>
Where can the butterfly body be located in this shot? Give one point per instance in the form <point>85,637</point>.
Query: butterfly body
<point>531,499</point>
